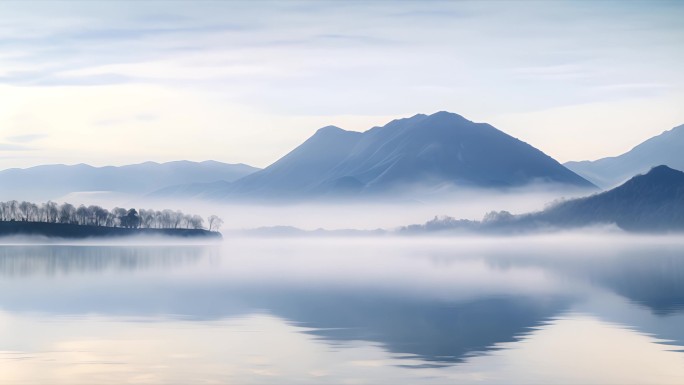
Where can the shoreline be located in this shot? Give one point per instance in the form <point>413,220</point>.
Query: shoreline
<point>73,231</point>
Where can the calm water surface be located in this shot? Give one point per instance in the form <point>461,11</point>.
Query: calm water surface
<point>562,309</point>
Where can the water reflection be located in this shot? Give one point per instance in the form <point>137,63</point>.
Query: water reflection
<point>438,332</point>
<point>448,307</point>
<point>49,260</point>
<point>648,275</point>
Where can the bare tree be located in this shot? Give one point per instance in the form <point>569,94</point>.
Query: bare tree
<point>29,212</point>
<point>196,222</point>
<point>66,213</point>
<point>82,215</point>
<point>98,215</point>
<point>118,213</point>
<point>215,223</point>
<point>13,210</point>
<point>51,211</point>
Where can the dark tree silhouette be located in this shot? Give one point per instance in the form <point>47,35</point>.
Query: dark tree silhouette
<point>215,223</point>
<point>93,215</point>
<point>131,220</point>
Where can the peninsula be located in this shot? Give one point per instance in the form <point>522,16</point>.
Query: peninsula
<point>66,221</point>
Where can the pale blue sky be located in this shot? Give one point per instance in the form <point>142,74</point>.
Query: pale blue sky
<point>121,82</point>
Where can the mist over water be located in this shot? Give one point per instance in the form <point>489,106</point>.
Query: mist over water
<point>564,308</point>
<point>363,214</point>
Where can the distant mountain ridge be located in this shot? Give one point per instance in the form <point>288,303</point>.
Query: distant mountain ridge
<point>664,149</point>
<point>45,182</point>
<point>424,151</point>
<point>652,202</point>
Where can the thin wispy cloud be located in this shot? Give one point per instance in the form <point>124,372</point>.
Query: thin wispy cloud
<point>297,66</point>
<point>14,147</point>
<point>27,138</point>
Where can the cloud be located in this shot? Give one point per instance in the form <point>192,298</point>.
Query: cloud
<point>49,78</point>
<point>26,138</point>
<point>14,147</point>
<point>138,118</point>
<point>245,83</point>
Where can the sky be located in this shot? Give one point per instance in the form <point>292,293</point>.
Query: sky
<point>112,83</point>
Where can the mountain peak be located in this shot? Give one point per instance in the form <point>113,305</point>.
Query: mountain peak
<point>446,114</point>
<point>329,129</point>
<point>661,174</point>
<point>653,183</point>
<point>439,115</point>
<point>330,135</point>
<point>663,169</point>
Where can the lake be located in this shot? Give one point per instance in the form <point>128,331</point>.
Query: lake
<point>529,310</point>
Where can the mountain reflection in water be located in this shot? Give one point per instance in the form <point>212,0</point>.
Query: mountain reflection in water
<point>428,305</point>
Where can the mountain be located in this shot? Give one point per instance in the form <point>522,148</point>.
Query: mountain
<point>302,170</point>
<point>653,202</point>
<point>185,190</point>
<point>650,202</point>
<point>424,151</point>
<point>664,149</point>
<point>46,182</point>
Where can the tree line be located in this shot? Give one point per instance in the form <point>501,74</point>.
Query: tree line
<point>94,215</point>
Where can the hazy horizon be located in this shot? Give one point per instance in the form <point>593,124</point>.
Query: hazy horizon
<point>114,163</point>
